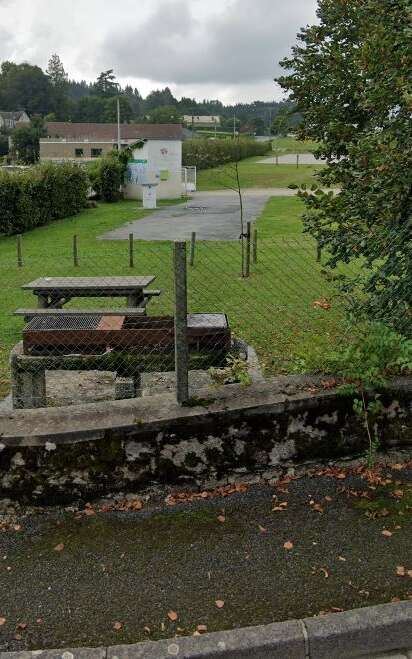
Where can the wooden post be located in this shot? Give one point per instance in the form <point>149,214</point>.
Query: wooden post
<point>192,248</point>
<point>19,252</point>
<point>255,245</point>
<point>297,160</point>
<point>75,252</point>
<point>181,346</point>
<point>248,245</point>
<point>131,250</point>
<point>277,159</point>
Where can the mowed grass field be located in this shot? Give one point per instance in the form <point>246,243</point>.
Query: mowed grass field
<point>284,145</point>
<point>254,174</point>
<point>273,309</point>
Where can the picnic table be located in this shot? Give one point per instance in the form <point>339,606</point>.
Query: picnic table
<point>54,292</point>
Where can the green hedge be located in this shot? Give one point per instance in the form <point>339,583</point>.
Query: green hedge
<point>205,154</point>
<point>106,177</point>
<point>39,195</point>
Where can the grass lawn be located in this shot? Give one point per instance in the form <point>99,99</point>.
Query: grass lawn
<point>273,309</point>
<point>284,145</point>
<point>256,175</point>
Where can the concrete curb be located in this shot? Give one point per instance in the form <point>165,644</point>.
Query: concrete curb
<point>357,633</point>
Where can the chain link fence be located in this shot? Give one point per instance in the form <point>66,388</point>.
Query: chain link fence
<point>92,325</point>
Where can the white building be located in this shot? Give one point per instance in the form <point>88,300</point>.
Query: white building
<point>199,121</point>
<point>157,157</point>
<point>12,120</point>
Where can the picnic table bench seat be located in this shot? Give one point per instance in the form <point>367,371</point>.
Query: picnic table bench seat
<point>29,314</point>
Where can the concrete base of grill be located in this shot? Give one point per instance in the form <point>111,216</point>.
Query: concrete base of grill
<point>39,387</point>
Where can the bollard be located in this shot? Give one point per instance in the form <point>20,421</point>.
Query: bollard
<point>75,252</point>
<point>192,248</point>
<point>19,251</point>
<point>131,250</point>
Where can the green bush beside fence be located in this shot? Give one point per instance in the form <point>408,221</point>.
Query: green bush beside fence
<point>205,154</point>
<point>40,195</point>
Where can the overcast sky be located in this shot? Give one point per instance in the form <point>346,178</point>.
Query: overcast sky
<point>226,49</point>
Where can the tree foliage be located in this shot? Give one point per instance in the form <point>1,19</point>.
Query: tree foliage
<point>350,77</point>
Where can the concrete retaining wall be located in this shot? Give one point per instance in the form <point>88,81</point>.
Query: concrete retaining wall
<point>90,449</point>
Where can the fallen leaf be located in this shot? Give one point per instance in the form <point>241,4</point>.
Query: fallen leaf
<point>220,604</point>
<point>398,494</point>
<point>202,629</point>
<point>400,571</point>
<point>325,572</point>
<point>59,547</point>
<point>288,545</point>
<point>322,303</point>
<point>21,625</point>
<point>409,573</point>
<point>318,508</point>
<point>39,621</point>
<point>278,509</point>
<point>342,559</point>
<point>397,467</point>
<point>89,512</point>
<point>17,527</point>
<point>262,529</point>
<point>117,626</point>
<point>172,615</point>
<point>3,621</point>
<point>221,519</point>
<point>328,498</point>
<point>387,534</point>
<point>17,637</point>
<point>147,630</point>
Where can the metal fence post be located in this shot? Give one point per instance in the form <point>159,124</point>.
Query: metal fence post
<point>248,245</point>
<point>255,245</point>
<point>181,346</point>
<point>19,252</point>
<point>193,248</point>
<point>75,252</point>
<point>131,251</point>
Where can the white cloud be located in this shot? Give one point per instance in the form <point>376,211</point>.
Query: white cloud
<point>225,49</point>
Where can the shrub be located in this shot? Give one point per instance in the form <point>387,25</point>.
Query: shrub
<point>40,195</point>
<point>106,177</point>
<point>205,154</point>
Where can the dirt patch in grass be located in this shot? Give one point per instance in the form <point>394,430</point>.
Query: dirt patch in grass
<point>332,540</point>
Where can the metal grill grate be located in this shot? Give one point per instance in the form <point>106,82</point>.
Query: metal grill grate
<point>63,323</point>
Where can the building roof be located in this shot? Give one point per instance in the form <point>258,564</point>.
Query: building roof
<point>96,132</point>
<point>12,115</point>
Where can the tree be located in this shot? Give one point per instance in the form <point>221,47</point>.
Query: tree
<point>4,144</point>
<point>350,78</point>
<point>26,141</point>
<point>105,86</point>
<point>90,109</point>
<point>158,98</point>
<point>167,114</point>
<point>25,87</point>
<point>60,86</point>
<point>280,124</point>
<point>26,144</point>
<point>110,111</point>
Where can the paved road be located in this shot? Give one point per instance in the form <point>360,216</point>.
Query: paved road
<point>135,567</point>
<point>290,159</point>
<point>213,215</point>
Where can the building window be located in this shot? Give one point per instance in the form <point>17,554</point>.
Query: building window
<point>96,153</point>
<point>79,153</point>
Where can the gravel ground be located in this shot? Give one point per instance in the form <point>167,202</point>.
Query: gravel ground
<point>133,568</point>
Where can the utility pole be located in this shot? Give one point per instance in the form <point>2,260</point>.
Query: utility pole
<point>119,141</point>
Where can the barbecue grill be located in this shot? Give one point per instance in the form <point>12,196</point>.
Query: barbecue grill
<point>89,335</point>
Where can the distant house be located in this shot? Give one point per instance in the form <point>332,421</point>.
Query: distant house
<point>157,156</point>
<point>201,121</point>
<point>11,120</point>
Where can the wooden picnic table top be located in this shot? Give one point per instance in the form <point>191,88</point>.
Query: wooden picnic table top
<point>97,284</point>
